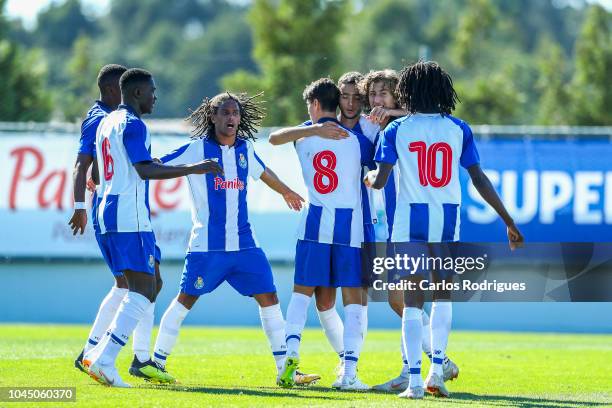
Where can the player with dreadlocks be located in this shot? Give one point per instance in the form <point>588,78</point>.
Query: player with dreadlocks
<point>429,145</point>
<point>222,245</point>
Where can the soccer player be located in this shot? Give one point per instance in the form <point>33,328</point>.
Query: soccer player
<point>429,199</point>
<point>126,237</point>
<point>381,98</point>
<point>222,245</point>
<point>110,98</point>
<point>350,117</point>
<point>331,231</point>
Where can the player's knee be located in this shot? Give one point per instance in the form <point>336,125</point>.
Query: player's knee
<point>266,299</point>
<point>397,305</point>
<point>325,304</point>
<point>121,282</point>
<point>187,300</point>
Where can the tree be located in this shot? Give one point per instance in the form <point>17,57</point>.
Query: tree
<point>22,93</point>
<point>554,103</point>
<point>296,42</point>
<point>591,94</point>
<point>61,24</point>
<point>81,89</point>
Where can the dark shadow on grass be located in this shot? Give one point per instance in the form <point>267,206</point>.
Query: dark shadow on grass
<point>517,401</point>
<point>254,391</point>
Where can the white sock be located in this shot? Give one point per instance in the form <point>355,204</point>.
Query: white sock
<point>426,335</point>
<point>364,321</point>
<point>412,328</point>
<point>297,311</point>
<point>333,328</point>
<point>353,338</point>
<point>441,319</point>
<point>131,310</point>
<point>141,342</point>
<point>168,331</point>
<point>106,313</point>
<point>274,327</point>
<point>405,366</point>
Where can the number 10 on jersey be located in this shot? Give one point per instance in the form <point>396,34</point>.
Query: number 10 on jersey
<point>427,160</point>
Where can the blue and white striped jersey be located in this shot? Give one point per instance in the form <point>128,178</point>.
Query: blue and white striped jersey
<point>122,140</point>
<point>219,203</point>
<point>89,127</point>
<point>332,173</point>
<point>429,149</point>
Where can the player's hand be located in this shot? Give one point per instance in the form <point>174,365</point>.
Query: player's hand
<point>91,185</point>
<point>207,166</point>
<point>156,160</point>
<point>378,115</point>
<point>330,130</point>
<point>78,221</point>
<point>293,200</point>
<point>515,238</point>
<point>369,178</point>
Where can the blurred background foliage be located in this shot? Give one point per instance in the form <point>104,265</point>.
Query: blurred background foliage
<point>543,62</point>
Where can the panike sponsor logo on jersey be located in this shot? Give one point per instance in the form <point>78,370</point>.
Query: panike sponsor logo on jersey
<point>235,184</point>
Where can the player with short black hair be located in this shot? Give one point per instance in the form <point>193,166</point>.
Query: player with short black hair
<point>429,200</point>
<point>331,231</point>
<point>126,237</point>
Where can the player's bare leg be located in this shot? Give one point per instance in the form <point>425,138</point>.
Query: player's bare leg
<point>332,326</point>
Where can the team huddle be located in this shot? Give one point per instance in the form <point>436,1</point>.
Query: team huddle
<point>404,153</point>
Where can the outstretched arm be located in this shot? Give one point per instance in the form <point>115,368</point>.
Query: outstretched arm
<point>377,179</point>
<point>328,130</point>
<point>293,199</point>
<point>78,221</point>
<point>484,187</point>
<point>151,170</point>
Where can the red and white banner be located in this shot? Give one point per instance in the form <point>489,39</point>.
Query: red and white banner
<point>36,199</point>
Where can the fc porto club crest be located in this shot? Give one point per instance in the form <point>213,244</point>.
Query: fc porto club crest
<point>151,261</point>
<point>242,161</point>
<point>199,283</point>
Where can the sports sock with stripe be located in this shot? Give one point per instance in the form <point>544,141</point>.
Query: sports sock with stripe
<point>106,313</point>
<point>274,327</point>
<point>353,338</point>
<point>131,310</point>
<point>141,341</point>
<point>333,328</point>
<point>412,328</point>
<point>297,311</point>
<point>441,319</point>
<point>168,331</point>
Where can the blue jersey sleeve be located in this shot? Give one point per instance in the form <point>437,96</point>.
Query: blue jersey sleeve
<point>87,143</point>
<point>469,153</point>
<point>134,140</point>
<point>387,152</point>
<point>367,151</point>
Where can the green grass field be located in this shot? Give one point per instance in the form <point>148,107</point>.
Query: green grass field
<point>232,367</point>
